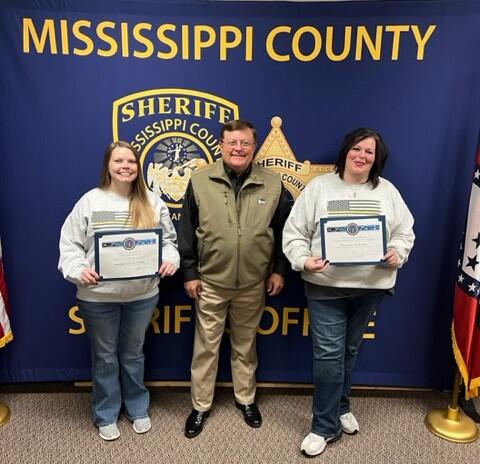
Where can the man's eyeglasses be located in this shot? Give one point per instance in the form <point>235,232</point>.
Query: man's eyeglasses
<point>242,143</point>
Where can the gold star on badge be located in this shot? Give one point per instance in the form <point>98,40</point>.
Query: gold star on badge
<point>276,154</point>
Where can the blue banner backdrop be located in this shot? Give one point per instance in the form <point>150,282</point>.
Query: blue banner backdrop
<point>165,75</point>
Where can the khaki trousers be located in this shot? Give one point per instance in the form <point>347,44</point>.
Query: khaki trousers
<point>244,309</point>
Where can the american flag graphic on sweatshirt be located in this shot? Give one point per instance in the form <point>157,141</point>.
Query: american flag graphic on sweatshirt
<point>111,219</point>
<point>353,207</point>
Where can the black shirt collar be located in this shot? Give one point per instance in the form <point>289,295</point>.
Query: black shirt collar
<point>232,175</point>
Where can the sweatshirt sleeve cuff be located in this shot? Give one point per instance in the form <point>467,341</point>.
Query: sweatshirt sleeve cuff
<point>299,264</point>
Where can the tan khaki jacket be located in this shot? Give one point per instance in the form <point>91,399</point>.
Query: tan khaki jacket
<point>235,240</point>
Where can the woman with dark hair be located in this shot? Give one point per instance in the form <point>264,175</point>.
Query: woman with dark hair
<point>116,312</point>
<point>380,151</point>
<point>342,298</point>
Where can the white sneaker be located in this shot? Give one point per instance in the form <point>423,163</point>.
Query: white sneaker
<point>349,423</point>
<point>109,432</point>
<point>313,444</point>
<point>142,425</point>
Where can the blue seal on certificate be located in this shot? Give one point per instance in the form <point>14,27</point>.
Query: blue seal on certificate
<point>129,243</point>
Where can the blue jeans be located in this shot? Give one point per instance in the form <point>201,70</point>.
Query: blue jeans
<point>336,328</point>
<point>117,333</point>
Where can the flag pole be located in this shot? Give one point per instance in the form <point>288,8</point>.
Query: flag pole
<point>4,414</point>
<point>452,424</point>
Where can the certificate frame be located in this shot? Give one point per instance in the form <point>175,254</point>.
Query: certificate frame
<point>116,258</point>
<point>353,225</point>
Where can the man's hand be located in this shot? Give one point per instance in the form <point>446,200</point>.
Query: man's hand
<point>275,283</point>
<point>193,288</point>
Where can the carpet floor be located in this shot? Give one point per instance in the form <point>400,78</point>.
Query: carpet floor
<point>50,423</point>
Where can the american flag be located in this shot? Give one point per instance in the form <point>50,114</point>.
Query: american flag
<point>465,327</point>
<point>5,330</point>
<point>353,207</point>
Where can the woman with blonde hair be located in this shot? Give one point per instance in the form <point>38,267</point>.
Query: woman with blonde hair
<point>116,312</point>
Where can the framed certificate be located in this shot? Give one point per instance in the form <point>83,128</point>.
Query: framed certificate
<point>354,240</point>
<point>128,254</point>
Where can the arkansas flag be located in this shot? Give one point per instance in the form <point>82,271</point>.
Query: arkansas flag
<point>5,331</point>
<point>466,319</point>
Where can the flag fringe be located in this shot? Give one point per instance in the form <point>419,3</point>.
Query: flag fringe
<point>8,337</point>
<point>471,385</point>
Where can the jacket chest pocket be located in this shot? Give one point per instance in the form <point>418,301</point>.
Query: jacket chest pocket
<point>260,210</point>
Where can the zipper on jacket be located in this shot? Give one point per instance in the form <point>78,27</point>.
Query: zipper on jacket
<point>227,208</point>
<point>239,232</point>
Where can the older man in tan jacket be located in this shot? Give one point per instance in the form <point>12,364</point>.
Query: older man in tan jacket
<point>230,244</point>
